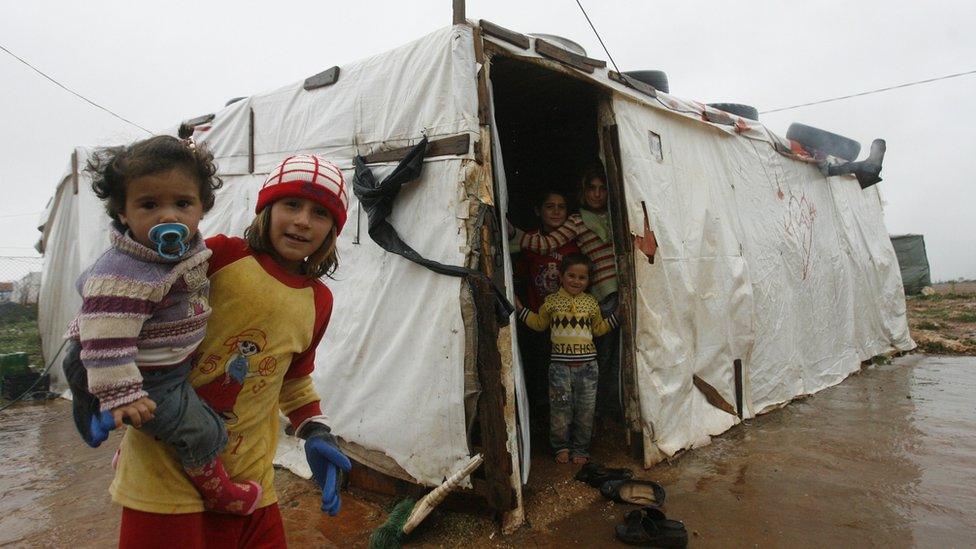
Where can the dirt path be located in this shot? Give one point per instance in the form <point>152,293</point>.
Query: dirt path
<point>887,458</point>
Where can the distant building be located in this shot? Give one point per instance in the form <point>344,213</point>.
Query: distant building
<point>6,290</point>
<point>27,289</point>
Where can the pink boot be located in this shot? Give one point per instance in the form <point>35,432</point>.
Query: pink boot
<point>222,495</point>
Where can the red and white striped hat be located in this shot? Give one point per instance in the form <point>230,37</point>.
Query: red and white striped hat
<point>307,176</point>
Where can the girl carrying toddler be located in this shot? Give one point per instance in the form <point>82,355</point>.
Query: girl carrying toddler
<point>270,311</point>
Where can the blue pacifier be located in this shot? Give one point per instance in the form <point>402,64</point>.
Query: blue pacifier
<point>170,239</point>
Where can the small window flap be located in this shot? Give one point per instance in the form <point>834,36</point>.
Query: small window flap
<point>654,140</point>
<point>322,79</point>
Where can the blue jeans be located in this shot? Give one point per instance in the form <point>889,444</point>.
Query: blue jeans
<point>572,397</point>
<point>182,420</point>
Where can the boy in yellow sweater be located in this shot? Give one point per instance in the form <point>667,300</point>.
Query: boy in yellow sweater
<point>574,318</point>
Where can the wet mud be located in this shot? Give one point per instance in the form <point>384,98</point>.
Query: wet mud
<point>886,458</point>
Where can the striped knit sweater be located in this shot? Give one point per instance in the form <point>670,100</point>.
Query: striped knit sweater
<point>138,305</point>
<point>599,249</point>
<point>574,322</point>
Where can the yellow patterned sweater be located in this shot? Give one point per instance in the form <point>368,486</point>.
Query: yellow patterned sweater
<point>574,320</point>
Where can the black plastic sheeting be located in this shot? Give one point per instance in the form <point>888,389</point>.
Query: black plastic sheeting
<point>913,262</point>
<point>376,197</point>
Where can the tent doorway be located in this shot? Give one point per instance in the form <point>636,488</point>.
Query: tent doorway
<point>548,133</point>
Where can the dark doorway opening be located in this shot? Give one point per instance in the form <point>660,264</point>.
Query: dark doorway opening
<point>548,128</point>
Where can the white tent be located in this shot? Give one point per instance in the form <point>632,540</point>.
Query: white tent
<point>770,278</point>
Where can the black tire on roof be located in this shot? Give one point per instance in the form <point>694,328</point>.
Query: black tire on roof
<point>658,79</point>
<point>824,141</point>
<point>745,111</point>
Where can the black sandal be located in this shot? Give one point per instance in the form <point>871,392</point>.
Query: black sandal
<point>638,492</point>
<point>595,474</point>
<point>650,528</point>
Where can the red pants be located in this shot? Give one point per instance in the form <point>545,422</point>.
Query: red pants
<point>142,530</point>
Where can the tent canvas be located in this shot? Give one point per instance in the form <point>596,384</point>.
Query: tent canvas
<point>762,259</point>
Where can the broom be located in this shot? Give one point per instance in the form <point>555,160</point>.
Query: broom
<point>407,514</point>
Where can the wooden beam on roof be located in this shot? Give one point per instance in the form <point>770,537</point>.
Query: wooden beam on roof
<point>501,33</point>
<point>325,78</point>
<point>565,57</point>
<point>598,63</point>
<point>632,82</point>
<point>456,144</point>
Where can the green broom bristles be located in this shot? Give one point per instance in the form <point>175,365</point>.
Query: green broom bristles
<point>390,535</point>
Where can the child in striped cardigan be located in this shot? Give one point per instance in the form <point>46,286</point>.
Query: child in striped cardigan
<point>144,312</point>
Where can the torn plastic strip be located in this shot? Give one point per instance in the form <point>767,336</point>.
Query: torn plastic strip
<point>377,198</point>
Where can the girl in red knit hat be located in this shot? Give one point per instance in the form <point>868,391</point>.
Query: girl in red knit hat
<point>270,311</point>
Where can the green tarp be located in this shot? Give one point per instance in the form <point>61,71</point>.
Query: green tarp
<point>910,249</point>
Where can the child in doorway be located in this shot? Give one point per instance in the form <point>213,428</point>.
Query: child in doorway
<point>591,231</point>
<point>270,311</point>
<point>574,318</point>
<point>539,271</point>
<point>145,309</point>
<point>537,276</point>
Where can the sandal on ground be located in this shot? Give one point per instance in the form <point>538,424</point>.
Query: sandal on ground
<point>562,454</point>
<point>638,492</point>
<point>595,474</point>
<point>650,528</point>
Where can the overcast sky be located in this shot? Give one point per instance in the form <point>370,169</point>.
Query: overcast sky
<point>162,62</point>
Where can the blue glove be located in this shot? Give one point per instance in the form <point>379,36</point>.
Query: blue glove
<point>326,462</point>
<point>99,428</point>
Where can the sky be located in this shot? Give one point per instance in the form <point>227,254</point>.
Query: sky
<point>160,63</point>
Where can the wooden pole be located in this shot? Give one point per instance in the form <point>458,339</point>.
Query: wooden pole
<point>459,18</point>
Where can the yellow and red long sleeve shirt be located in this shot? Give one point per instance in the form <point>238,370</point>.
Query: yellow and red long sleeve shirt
<point>255,360</point>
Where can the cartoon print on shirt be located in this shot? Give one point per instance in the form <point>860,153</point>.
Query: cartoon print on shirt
<point>548,279</point>
<point>221,393</point>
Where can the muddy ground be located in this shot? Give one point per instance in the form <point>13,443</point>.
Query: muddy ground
<point>886,458</point>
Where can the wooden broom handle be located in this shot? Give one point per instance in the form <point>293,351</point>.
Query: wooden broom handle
<point>437,495</point>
